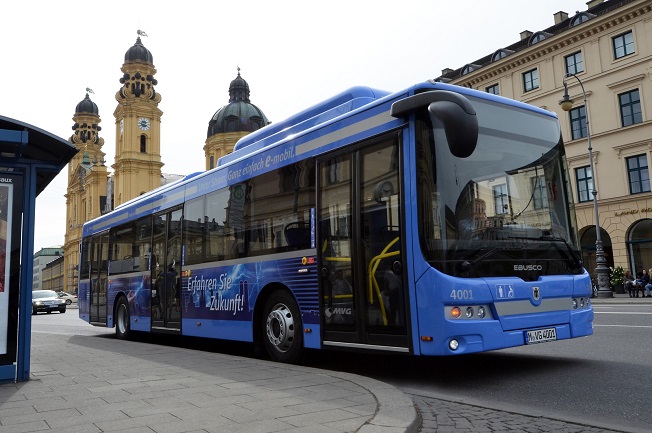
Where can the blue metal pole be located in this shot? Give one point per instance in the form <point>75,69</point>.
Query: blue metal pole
<point>27,268</point>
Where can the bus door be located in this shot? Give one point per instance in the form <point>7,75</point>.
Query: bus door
<point>363,296</point>
<point>99,271</point>
<point>166,271</point>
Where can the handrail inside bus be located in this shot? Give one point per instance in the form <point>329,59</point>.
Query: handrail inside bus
<point>373,283</point>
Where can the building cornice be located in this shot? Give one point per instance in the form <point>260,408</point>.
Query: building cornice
<point>555,43</point>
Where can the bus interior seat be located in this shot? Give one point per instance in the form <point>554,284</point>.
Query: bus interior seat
<point>297,234</point>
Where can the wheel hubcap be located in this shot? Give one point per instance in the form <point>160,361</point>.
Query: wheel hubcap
<point>280,328</point>
<point>122,314</point>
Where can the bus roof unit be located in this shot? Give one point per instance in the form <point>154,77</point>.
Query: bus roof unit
<point>339,104</point>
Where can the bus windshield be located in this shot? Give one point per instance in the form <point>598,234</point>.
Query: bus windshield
<point>503,211</point>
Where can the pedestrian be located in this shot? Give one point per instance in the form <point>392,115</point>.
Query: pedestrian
<point>648,287</point>
<point>641,282</point>
<point>629,283</point>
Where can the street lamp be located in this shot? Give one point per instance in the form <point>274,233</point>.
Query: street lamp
<point>601,268</point>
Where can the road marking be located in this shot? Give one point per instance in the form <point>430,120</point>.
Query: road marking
<point>624,326</point>
<point>622,312</point>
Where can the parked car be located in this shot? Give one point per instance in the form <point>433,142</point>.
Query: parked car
<point>68,297</point>
<point>48,301</point>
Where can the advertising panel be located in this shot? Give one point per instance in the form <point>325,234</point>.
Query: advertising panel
<point>6,201</point>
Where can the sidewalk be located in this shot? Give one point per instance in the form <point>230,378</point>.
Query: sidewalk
<point>101,384</point>
<point>620,298</point>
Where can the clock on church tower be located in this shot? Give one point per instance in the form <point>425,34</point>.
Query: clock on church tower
<point>144,123</point>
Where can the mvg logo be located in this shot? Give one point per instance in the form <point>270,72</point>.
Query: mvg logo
<point>342,311</point>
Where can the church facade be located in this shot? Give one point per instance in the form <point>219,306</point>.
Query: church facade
<point>93,190</point>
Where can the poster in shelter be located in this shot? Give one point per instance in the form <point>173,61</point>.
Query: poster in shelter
<point>6,200</point>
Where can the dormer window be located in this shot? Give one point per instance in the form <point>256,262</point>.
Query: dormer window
<point>501,53</point>
<point>470,68</point>
<point>579,18</point>
<point>538,37</point>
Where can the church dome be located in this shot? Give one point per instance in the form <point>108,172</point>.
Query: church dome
<point>239,115</point>
<point>138,52</point>
<point>87,106</point>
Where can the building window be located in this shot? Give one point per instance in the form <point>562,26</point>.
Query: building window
<point>500,199</point>
<point>574,63</point>
<point>538,37</point>
<point>578,122</point>
<point>639,176</point>
<point>143,144</point>
<point>501,53</point>
<point>584,179</point>
<point>623,45</point>
<point>494,90</point>
<point>470,68</point>
<point>579,18</point>
<point>630,107</point>
<point>531,80</point>
<point>212,162</point>
<point>539,192</point>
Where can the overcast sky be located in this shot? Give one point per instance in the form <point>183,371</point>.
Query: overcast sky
<point>293,54</point>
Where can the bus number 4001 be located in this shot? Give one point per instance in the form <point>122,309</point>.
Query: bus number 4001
<point>461,294</point>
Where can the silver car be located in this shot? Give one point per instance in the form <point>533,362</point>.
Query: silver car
<point>48,301</point>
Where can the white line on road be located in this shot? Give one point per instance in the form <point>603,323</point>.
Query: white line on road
<point>623,326</point>
<point>622,312</point>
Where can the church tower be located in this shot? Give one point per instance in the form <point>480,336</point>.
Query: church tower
<point>232,122</point>
<point>86,195</point>
<point>137,166</point>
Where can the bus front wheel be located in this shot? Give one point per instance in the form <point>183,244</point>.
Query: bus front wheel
<point>122,321</point>
<point>282,328</point>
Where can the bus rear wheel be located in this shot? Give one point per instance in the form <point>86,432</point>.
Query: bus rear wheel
<point>122,321</point>
<point>282,328</point>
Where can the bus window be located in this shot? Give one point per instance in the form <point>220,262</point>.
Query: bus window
<point>195,223</point>
<point>217,230</point>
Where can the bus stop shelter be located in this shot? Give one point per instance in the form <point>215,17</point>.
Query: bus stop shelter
<point>30,158</point>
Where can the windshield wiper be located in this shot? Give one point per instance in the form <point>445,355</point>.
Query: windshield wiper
<point>577,261</point>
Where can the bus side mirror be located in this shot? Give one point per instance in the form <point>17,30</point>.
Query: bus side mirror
<point>455,112</point>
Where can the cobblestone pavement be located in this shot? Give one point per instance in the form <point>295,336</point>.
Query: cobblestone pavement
<point>442,416</point>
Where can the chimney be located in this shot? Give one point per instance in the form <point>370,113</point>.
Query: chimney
<point>560,16</point>
<point>525,34</point>
<point>592,3</point>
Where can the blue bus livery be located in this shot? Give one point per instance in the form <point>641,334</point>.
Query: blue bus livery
<point>433,221</point>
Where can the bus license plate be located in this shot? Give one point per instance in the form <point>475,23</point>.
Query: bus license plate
<point>540,335</point>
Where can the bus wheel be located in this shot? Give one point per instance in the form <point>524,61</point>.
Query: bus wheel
<point>122,323</point>
<point>282,328</point>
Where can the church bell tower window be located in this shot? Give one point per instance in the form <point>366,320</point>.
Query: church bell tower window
<point>143,143</point>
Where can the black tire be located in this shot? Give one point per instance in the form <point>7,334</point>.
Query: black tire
<point>62,310</point>
<point>49,311</point>
<point>282,328</point>
<point>122,319</point>
<point>34,311</point>
<point>68,302</point>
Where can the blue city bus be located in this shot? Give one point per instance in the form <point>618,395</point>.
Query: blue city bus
<point>437,220</point>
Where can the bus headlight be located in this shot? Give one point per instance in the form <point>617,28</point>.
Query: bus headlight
<point>469,312</point>
<point>453,344</point>
<point>481,312</point>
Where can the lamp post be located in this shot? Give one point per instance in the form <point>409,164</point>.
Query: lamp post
<point>601,268</point>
